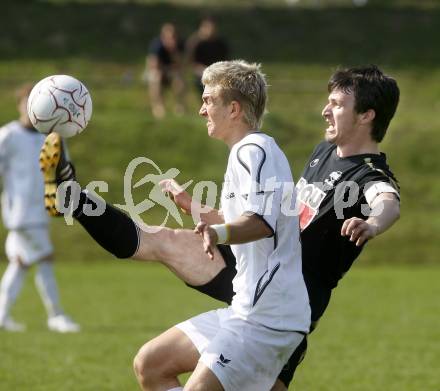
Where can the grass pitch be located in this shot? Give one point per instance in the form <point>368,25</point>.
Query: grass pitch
<point>381,331</point>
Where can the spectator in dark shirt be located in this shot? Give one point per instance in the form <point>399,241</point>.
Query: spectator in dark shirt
<point>164,67</point>
<point>205,47</point>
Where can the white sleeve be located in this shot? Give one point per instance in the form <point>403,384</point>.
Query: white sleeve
<point>258,183</point>
<point>373,189</point>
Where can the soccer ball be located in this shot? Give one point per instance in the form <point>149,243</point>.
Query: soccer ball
<point>61,104</point>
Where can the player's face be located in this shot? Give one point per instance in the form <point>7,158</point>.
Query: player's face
<point>215,112</point>
<point>341,117</point>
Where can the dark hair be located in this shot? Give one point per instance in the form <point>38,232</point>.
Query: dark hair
<point>372,90</point>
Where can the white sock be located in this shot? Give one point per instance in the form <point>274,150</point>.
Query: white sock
<point>48,289</point>
<point>10,287</point>
<point>176,389</point>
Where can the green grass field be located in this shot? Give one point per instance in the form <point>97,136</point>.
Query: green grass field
<point>381,331</point>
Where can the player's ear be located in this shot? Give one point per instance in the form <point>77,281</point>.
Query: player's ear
<point>368,116</point>
<point>235,109</point>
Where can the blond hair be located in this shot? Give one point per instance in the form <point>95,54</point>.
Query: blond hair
<point>242,82</point>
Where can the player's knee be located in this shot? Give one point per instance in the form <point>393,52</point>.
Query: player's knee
<point>148,368</point>
<point>141,365</point>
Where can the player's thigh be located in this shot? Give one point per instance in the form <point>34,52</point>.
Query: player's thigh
<point>203,379</point>
<point>202,329</point>
<point>181,250</point>
<point>169,354</point>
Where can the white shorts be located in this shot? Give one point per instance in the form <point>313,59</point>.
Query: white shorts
<point>244,356</point>
<point>28,245</point>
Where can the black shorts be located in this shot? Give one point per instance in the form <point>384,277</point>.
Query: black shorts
<point>220,288</point>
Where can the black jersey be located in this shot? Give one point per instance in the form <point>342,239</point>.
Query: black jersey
<point>331,190</point>
<point>164,55</point>
<point>209,51</point>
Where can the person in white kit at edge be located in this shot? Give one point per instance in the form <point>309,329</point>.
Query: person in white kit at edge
<point>242,347</point>
<point>26,220</point>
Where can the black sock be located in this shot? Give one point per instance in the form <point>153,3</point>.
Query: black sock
<point>113,230</point>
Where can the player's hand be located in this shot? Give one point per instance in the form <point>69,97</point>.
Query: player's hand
<point>358,230</point>
<point>177,194</point>
<point>209,237</point>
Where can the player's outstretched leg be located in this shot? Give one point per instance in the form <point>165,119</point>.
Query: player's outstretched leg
<point>180,250</point>
<point>55,168</point>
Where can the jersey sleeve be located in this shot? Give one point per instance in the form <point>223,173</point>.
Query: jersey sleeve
<point>374,189</point>
<point>258,183</point>
<point>376,182</point>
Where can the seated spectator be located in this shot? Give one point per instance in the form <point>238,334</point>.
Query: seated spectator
<point>164,67</point>
<point>204,47</point>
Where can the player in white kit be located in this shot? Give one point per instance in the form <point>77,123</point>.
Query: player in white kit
<point>27,222</point>
<point>243,347</point>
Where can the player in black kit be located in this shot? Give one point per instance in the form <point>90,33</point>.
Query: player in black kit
<point>347,195</point>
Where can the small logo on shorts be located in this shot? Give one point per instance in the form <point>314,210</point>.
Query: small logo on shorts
<point>223,361</point>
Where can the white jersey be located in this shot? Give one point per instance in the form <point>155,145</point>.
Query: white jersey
<point>269,286</point>
<point>23,186</point>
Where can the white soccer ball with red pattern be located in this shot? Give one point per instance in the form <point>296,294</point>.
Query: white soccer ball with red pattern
<point>61,104</point>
